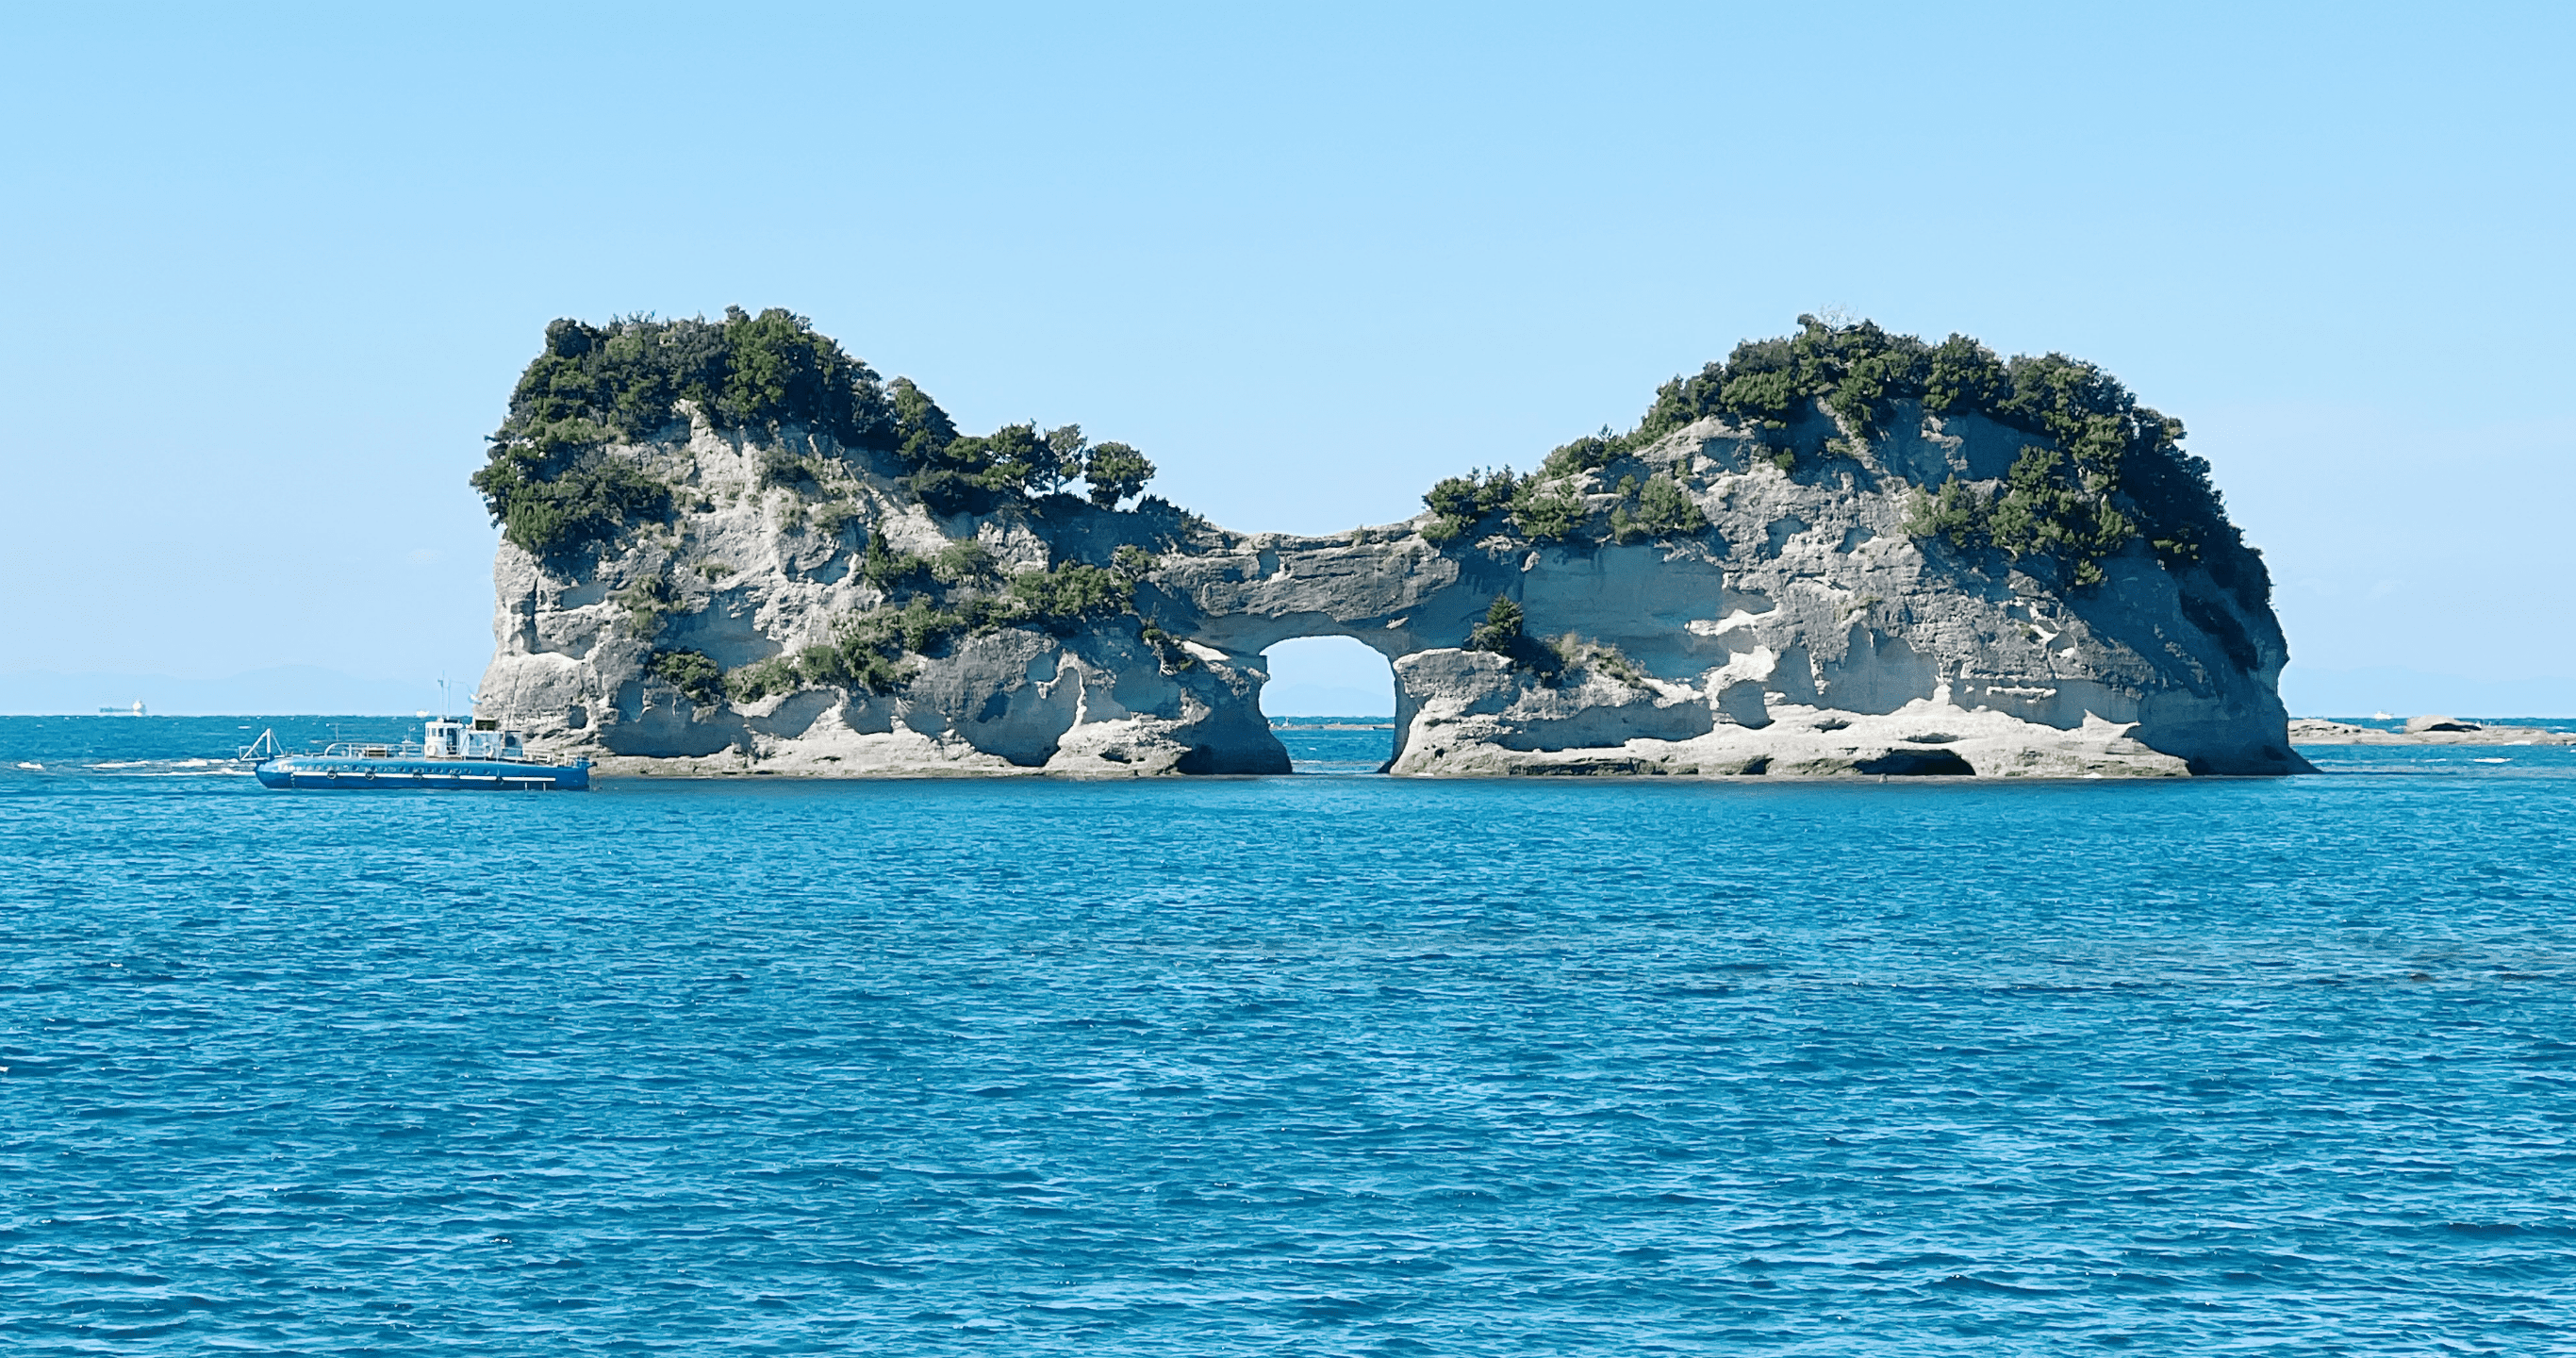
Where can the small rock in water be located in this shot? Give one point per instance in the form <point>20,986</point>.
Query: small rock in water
<point>2416,726</point>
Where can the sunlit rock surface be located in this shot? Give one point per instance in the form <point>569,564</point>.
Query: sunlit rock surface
<point>1802,633</point>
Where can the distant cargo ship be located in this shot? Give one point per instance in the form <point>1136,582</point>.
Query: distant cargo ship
<point>134,711</point>
<point>450,754</point>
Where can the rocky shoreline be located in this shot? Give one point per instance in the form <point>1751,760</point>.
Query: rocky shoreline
<point>2423,731</point>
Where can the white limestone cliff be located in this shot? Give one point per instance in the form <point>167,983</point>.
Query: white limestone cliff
<point>752,573</point>
<point>1803,633</point>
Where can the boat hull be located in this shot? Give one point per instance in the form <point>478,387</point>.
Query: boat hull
<point>337,773</point>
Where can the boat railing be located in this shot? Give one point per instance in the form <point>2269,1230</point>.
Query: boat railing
<point>372,749</point>
<point>411,749</point>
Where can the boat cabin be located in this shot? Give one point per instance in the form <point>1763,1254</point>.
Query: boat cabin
<point>484,739</point>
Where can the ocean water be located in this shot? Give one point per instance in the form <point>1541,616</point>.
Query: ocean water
<point>1315,1064</point>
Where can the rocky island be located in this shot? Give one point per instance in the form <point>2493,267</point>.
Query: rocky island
<point>730,547</point>
<point>2425,730</point>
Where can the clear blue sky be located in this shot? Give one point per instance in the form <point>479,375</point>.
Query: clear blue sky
<point>271,270</point>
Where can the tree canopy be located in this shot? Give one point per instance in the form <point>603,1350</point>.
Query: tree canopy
<point>555,491</point>
<point>625,379</point>
<point>2116,473</point>
<point>2103,471</point>
<point>1115,472</point>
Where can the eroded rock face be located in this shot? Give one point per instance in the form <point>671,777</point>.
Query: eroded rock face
<point>1802,632</point>
<point>746,574</point>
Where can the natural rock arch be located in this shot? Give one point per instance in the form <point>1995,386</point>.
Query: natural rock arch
<point>1783,607</point>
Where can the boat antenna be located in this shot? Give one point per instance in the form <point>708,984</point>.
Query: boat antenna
<point>442,695</point>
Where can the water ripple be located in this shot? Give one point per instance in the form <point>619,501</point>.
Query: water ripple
<point>1311,1065</point>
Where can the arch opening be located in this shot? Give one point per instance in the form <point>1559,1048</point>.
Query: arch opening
<point>1331,701</point>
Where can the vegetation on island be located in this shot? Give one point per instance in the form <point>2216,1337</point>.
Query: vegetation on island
<point>1555,660</point>
<point>549,481</point>
<point>973,474</point>
<point>930,603</point>
<point>2101,475</point>
<point>556,490</point>
<point>1549,507</point>
<point>2104,473</point>
<point>698,677</point>
<point>1663,510</point>
<point>1502,634</point>
<point>816,420</point>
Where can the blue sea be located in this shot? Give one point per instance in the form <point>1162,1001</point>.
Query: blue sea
<point>1319,1064</point>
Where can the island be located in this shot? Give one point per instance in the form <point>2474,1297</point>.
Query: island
<point>2425,730</point>
<point>730,547</point>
